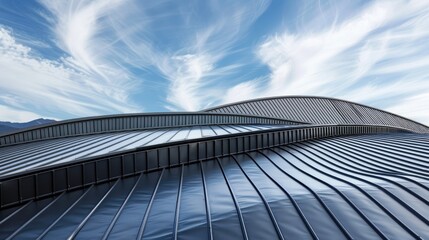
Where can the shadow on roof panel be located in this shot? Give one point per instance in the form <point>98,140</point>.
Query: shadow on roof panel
<point>342,187</point>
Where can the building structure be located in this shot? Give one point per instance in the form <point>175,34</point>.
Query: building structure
<point>273,168</point>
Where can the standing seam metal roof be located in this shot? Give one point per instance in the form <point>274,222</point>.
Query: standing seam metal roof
<point>320,110</point>
<point>354,173</point>
<point>24,157</point>
<point>317,189</point>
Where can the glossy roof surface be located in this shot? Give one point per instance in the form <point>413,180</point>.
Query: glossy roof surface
<point>362,187</point>
<point>275,168</point>
<point>29,156</point>
<point>129,122</point>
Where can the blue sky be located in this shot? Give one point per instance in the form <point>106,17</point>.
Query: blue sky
<point>68,59</point>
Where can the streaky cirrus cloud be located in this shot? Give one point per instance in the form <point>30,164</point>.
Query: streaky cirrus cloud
<point>374,55</point>
<point>79,58</point>
<point>84,81</point>
<point>105,38</point>
<point>42,87</point>
<point>187,52</point>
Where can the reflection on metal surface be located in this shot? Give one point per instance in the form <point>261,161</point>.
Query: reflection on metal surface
<point>336,170</point>
<point>131,122</point>
<point>24,157</point>
<point>43,181</point>
<point>361,187</point>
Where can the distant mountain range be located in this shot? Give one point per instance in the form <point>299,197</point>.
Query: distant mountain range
<point>14,126</point>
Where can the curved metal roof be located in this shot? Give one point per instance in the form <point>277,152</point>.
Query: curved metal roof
<point>318,110</point>
<point>29,156</point>
<point>355,172</point>
<point>128,122</point>
<point>361,187</point>
<point>49,167</point>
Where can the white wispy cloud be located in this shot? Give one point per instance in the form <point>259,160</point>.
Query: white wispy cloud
<point>415,106</point>
<point>83,31</point>
<point>192,52</point>
<point>376,54</point>
<point>88,80</point>
<point>17,115</point>
<point>32,84</point>
<point>104,38</point>
<point>186,73</point>
<point>192,67</point>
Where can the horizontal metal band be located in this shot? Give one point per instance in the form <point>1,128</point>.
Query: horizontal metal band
<point>127,122</point>
<point>48,181</point>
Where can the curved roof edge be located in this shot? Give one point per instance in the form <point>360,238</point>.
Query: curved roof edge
<point>331,130</point>
<point>312,97</point>
<point>20,187</point>
<point>132,121</point>
<point>150,114</point>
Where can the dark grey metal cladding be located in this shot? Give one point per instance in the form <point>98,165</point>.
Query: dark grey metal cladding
<point>319,110</point>
<point>45,181</point>
<point>333,188</point>
<point>28,156</point>
<point>127,122</point>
